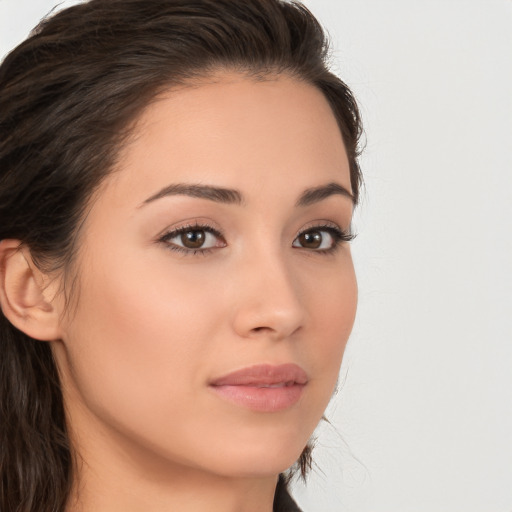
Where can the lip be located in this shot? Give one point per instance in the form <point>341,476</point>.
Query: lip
<point>262,388</point>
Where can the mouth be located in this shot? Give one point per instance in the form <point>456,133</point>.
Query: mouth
<point>262,388</point>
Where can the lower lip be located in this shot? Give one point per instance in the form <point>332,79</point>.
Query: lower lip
<point>261,399</point>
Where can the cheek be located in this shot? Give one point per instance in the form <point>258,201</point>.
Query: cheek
<point>333,308</point>
<point>138,342</point>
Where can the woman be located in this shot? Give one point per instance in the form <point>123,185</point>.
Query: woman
<point>177,184</point>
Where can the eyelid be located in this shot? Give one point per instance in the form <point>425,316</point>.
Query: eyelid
<point>175,231</point>
<point>326,225</point>
<point>338,234</point>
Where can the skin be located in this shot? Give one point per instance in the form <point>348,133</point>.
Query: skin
<point>153,326</point>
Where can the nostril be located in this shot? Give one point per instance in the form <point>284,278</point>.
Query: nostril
<point>258,329</point>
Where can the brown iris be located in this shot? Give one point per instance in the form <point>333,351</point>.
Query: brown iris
<point>311,239</point>
<point>193,239</point>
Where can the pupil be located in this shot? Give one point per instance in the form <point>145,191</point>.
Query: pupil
<point>193,239</point>
<point>311,239</point>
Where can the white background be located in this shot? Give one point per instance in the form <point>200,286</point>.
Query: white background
<point>423,419</point>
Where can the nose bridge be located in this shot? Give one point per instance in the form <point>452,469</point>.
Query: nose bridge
<point>269,300</point>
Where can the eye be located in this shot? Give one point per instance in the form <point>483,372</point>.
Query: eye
<point>321,238</point>
<point>314,239</point>
<point>193,239</point>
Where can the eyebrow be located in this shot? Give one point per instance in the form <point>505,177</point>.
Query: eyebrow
<point>217,194</point>
<point>316,194</point>
<point>233,196</point>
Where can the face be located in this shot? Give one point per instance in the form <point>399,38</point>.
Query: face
<point>216,286</point>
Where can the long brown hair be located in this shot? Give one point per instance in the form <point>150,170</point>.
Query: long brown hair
<point>68,96</point>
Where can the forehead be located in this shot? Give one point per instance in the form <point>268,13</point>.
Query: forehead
<point>235,132</point>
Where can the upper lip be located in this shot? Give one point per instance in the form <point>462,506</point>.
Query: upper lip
<point>264,374</point>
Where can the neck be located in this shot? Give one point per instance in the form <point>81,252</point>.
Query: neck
<point>185,492</point>
<point>113,477</point>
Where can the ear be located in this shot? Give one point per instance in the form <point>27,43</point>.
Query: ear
<point>26,297</point>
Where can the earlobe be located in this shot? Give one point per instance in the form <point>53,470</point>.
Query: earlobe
<point>24,296</point>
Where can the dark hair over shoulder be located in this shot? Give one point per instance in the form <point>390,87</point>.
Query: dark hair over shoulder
<point>68,97</point>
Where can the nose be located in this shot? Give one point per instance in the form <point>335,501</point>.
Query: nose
<point>267,301</point>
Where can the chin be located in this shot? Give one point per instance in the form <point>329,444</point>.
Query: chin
<point>262,449</point>
<point>258,459</point>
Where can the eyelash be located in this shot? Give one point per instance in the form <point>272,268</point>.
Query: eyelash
<point>338,235</point>
<point>185,229</point>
